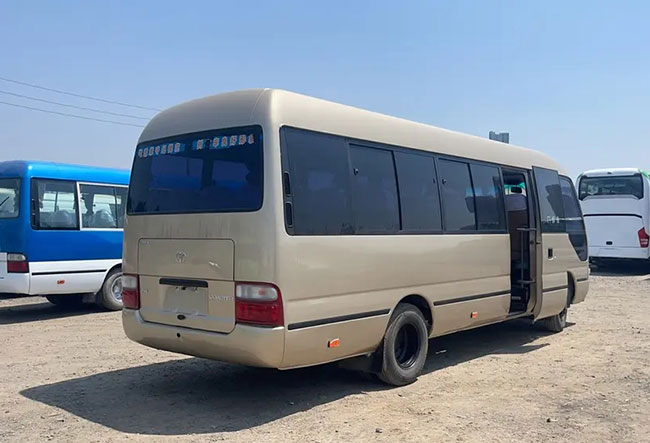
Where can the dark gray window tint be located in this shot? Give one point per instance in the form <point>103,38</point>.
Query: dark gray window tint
<point>488,198</point>
<point>418,192</point>
<point>575,226</point>
<point>550,200</point>
<point>319,182</point>
<point>457,196</point>
<point>374,190</point>
<point>211,171</point>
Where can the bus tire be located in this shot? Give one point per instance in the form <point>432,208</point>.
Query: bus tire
<point>110,295</point>
<point>556,323</point>
<point>65,300</point>
<point>405,346</point>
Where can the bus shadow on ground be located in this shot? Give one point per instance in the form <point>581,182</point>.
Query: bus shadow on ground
<point>42,311</point>
<point>196,396</point>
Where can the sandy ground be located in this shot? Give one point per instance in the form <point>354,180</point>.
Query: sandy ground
<point>72,375</point>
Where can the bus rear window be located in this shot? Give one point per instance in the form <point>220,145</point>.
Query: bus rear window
<point>612,185</point>
<point>9,197</point>
<point>213,171</point>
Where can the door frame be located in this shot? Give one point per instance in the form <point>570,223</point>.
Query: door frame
<point>534,235</point>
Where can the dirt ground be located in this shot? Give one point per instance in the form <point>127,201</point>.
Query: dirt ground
<point>72,375</point>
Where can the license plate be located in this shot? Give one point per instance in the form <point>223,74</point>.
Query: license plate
<point>187,300</point>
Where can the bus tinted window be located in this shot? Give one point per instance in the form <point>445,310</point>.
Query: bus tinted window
<point>213,171</point>
<point>320,183</point>
<point>573,218</point>
<point>488,198</point>
<point>57,204</point>
<point>418,192</point>
<point>551,202</point>
<point>611,185</point>
<point>374,190</point>
<point>102,206</point>
<point>9,197</point>
<point>457,196</point>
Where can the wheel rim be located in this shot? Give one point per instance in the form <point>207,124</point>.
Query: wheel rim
<point>407,346</point>
<point>116,289</point>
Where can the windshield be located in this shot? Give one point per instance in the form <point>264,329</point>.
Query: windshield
<point>212,171</point>
<point>9,197</point>
<point>612,185</point>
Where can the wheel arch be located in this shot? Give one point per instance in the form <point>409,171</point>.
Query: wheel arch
<point>423,305</point>
<point>571,283</point>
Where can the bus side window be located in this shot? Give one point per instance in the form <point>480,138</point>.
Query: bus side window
<point>120,204</point>
<point>374,190</point>
<point>457,196</point>
<point>57,204</point>
<point>575,226</point>
<point>418,192</point>
<point>488,196</point>
<point>550,200</point>
<point>320,183</point>
<point>99,209</point>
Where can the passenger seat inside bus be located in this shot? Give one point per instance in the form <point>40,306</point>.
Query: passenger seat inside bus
<point>63,219</point>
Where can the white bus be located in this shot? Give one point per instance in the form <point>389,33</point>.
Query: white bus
<point>616,206</point>
<point>272,229</point>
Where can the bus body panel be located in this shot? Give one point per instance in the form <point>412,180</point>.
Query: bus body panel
<point>247,345</point>
<point>336,288</point>
<point>61,261</point>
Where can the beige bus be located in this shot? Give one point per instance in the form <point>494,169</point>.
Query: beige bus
<point>273,229</point>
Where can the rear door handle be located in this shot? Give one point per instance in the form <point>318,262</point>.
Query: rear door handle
<point>551,254</point>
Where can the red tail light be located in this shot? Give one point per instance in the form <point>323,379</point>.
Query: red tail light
<point>258,304</point>
<point>130,291</point>
<point>644,238</point>
<point>17,263</point>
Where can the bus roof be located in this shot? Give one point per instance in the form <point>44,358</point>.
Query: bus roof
<point>61,171</point>
<point>613,171</point>
<point>279,107</point>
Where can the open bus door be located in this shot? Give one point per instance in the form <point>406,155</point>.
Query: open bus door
<point>552,287</point>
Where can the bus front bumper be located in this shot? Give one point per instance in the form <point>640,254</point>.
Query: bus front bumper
<point>247,345</point>
<point>14,284</point>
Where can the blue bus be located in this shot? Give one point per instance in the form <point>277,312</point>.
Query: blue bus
<point>61,230</point>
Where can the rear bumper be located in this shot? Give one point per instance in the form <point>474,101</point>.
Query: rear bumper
<point>247,345</point>
<point>14,284</point>
<point>614,252</point>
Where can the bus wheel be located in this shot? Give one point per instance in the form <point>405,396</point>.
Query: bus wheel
<point>65,300</point>
<point>557,322</point>
<point>405,346</point>
<point>110,295</point>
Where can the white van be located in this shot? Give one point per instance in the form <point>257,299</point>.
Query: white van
<point>616,208</point>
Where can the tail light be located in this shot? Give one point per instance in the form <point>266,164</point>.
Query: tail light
<point>17,263</point>
<point>258,304</point>
<point>644,238</point>
<point>130,291</point>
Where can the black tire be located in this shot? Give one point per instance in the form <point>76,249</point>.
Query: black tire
<point>557,323</point>
<point>405,346</point>
<point>108,297</point>
<point>65,300</point>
